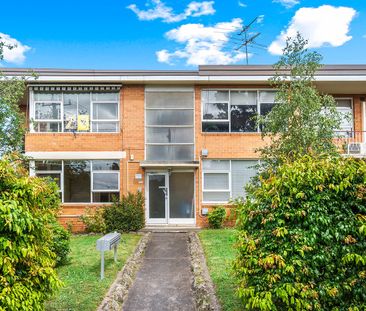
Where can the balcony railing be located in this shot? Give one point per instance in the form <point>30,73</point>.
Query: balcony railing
<point>352,143</point>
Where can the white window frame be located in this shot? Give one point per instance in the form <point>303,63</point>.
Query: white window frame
<point>34,172</point>
<point>205,171</point>
<point>33,120</point>
<point>352,113</point>
<point>170,90</point>
<point>47,120</point>
<point>258,102</point>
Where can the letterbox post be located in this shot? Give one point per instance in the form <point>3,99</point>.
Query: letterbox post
<point>115,253</point>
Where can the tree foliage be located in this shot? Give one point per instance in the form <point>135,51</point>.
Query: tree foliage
<point>12,120</point>
<point>28,207</point>
<point>302,241</point>
<point>304,121</point>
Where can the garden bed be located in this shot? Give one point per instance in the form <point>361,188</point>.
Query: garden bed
<point>83,290</point>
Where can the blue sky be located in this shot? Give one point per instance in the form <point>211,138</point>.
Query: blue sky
<point>167,34</point>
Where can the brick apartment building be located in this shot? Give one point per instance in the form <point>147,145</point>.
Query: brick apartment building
<point>186,139</point>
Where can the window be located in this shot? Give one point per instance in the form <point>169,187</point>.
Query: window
<point>83,181</point>
<point>234,110</point>
<point>345,108</point>
<point>225,179</point>
<point>169,125</point>
<point>75,112</point>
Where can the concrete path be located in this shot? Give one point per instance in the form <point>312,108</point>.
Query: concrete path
<point>165,278</point>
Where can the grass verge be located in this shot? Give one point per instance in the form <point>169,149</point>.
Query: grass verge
<point>83,290</point>
<point>219,252</point>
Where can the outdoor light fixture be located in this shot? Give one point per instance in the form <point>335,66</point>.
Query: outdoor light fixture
<point>138,176</point>
<point>204,153</point>
<point>204,211</point>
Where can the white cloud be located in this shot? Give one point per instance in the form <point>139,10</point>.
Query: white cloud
<point>287,3</point>
<point>242,4</point>
<point>166,13</point>
<point>203,44</point>
<point>323,26</point>
<point>15,55</point>
<point>260,19</point>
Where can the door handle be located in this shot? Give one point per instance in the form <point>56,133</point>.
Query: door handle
<point>164,190</point>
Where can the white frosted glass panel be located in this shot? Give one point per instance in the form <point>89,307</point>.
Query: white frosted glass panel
<point>216,165</point>
<point>216,196</point>
<point>105,181</point>
<point>169,100</point>
<point>169,117</point>
<point>169,135</point>
<point>181,189</point>
<point>241,173</point>
<point>216,181</point>
<point>243,98</point>
<point>105,96</point>
<point>345,103</point>
<point>267,96</point>
<point>47,96</point>
<point>215,96</point>
<point>105,127</point>
<point>105,111</point>
<point>169,153</point>
<point>48,111</point>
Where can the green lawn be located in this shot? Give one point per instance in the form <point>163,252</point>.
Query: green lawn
<point>219,252</point>
<point>83,290</point>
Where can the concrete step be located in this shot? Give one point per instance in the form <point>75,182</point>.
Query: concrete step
<point>170,228</point>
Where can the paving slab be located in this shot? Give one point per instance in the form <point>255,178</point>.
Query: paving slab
<point>164,281</point>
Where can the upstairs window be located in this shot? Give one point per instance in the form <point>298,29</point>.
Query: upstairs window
<point>75,111</point>
<point>234,111</point>
<point>345,108</point>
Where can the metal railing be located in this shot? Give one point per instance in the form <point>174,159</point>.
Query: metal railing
<point>351,142</point>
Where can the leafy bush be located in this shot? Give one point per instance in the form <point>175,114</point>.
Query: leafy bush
<point>60,243</point>
<point>28,205</point>
<point>302,242</point>
<point>93,220</point>
<point>125,215</point>
<point>216,217</point>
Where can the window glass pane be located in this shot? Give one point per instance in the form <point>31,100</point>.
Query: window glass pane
<point>105,197</point>
<point>241,173</point>
<point>215,111</point>
<point>243,118</point>
<point>48,165</point>
<point>47,111</point>
<point>345,103</point>
<point>55,177</point>
<point>70,111</point>
<point>47,126</point>
<point>216,196</point>
<point>216,181</point>
<point>169,117</point>
<point>84,103</point>
<point>105,111</point>
<point>169,100</point>
<point>169,153</point>
<point>113,96</point>
<point>105,181</point>
<point>216,165</point>
<point>181,198</point>
<point>215,96</point>
<point>267,96</point>
<point>266,108</point>
<point>42,96</point>
<point>169,135</point>
<point>243,98</point>
<point>344,107</point>
<point>76,181</point>
<point>215,127</point>
<point>105,127</point>
<point>105,165</point>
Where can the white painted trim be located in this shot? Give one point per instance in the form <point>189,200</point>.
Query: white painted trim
<point>167,88</point>
<point>77,155</point>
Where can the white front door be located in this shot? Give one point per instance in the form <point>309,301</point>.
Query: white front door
<point>170,198</point>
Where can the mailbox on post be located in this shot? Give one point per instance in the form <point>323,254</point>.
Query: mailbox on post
<point>106,243</point>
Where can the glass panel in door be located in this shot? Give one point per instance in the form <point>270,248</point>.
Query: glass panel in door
<point>157,198</point>
<point>181,194</point>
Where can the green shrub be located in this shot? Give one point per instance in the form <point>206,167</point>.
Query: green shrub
<point>28,206</point>
<point>302,242</point>
<point>60,243</point>
<point>125,215</point>
<point>93,220</point>
<point>216,217</point>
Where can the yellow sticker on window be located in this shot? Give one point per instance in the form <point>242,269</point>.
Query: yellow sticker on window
<point>83,122</point>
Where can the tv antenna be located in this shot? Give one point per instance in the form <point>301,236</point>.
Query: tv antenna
<point>248,39</point>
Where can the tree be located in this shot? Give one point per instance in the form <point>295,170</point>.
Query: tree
<point>304,121</point>
<point>12,120</point>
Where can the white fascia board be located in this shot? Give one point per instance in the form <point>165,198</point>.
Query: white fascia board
<point>76,155</point>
